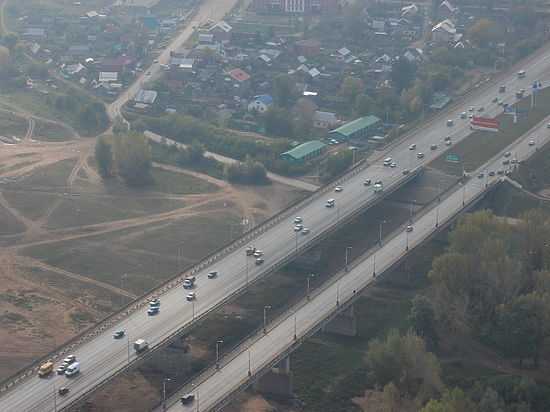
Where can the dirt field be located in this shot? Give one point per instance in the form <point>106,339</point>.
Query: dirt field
<point>56,214</point>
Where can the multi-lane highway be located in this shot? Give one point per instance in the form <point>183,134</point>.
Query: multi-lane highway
<point>101,356</point>
<point>283,333</point>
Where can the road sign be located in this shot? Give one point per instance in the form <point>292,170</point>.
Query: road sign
<point>482,123</point>
<point>452,159</point>
<point>512,110</point>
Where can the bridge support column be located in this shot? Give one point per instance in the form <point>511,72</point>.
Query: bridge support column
<point>345,323</point>
<point>277,380</point>
<point>174,360</point>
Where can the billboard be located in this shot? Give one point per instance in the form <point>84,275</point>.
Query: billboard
<point>481,123</point>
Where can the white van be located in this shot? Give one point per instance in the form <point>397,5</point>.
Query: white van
<point>387,161</point>
<point>330,203</point>
<point>72,369</point>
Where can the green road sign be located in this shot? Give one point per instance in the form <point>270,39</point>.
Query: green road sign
<point>452,159</point>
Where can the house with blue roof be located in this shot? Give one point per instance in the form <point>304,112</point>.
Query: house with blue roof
<point>260,103</point>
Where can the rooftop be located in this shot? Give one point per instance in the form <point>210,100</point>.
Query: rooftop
<point>357,124</point>
<point>145,96</point>
<point>239,75</point>
<point>305,148</point>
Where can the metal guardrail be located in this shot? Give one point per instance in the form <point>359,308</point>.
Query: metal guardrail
<point>32,368</point>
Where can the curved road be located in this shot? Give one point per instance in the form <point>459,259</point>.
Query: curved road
<point>101,355</point>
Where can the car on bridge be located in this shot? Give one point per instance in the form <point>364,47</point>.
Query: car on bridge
<point>119,334</point>
<point>305,231</point>
<point>259,261</point>
<point>62,368</point>
<point>212,275</point>
<point>297,228</point>
<point>367,182</point>
<point>70,359</point>
<point>409,229</point>
<point>187,399</point>
<point>412,147</point>
<point>153,310</point>
<point>155,302</point>
<point>338,188</point>
<point>191,296</point>
<point>63,390</point>
<point>297,219</point>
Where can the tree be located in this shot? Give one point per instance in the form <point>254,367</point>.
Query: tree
<point>522,335</point>
<point>454,401</point>
<point>350,88</point>
<point>277,121</point>
<point>104,157</point>
<point>483,33</point>
<point>195,152</point>
<point>534,232</point>
<point>354,20</point>
<point>491,402</point>
<point>404,361</point>
<point>10,40</point>
<point>421,319</point>
<point>403,73</point>
<point>5,63</point>
<point>132,155</point>
<point>283,85</point>
<point>119,126</point>
<point>363,104</point>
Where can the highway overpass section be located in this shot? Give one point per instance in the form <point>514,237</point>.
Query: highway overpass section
<point>213,388</point>
<point>102,358</point>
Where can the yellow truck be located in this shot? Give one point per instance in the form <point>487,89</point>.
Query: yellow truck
<point>45,369</point>
<point>250,251</point>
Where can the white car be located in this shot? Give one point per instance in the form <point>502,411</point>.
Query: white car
<point>531,142</point>
<point>298,227</point>
<point>338,188</point>
<point>191,296</point>
<point>409,229</point>
<point>305,231</point>
<point>154,302</point>
<point>393,164</point>
<point>70,359</point>
<point>258,253</point>
<point>155,61</point>
<point>298,219</point>
<point>412,147</point>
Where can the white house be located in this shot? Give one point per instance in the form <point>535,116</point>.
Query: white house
<point>444,32</point>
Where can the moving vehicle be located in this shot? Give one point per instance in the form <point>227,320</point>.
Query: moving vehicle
<point>378,188</point>
<point>185,399</point>
<point>480,175</point>
<point>433,147</point>
<point>338,188</point>
<point>330,203</point>
<point>191,296</point>
<point>189,282</point>
<point>450,122</point>
<point>153,310</point>
<point>73,369</point>
<point>155,302</point>
<point>305,231</point>
<point>119,334</point>
<point>212,275</point>
<point>412,147</point>
<point>521,74</point>
<point>531,142</point>
<point>297,228</point>
<point>250,251</point>
<point>140,345</point>
<point>463,115</point>
<point>393,164</point>
<point>367,182</point>
<point>62,368</point>
<point>495,99</point>
<point>258,253</point>
<point>502,89</point>
<point>155,61</point>
<point>298,219</point>
<point>519,94</point>
<point>447,139</point>
<point>70,359</point>
<point>45,369</point>
<point>259,261</point>
<point>420,155</point>
<point>63,390</point>
<point>448,142</point>
<point>387,161</point>
<point>405,172</point>
<point>409,229</point>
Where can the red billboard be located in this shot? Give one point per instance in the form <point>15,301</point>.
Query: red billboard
<point>481,123</point>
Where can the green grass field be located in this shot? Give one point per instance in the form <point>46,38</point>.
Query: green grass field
<point>481,145</point>
<point>148,254</point>
<point>9,225</point>
<point>49,132</point>
<point>12,125</point>
<point>166,181</point>
<point>32,205</point>
<point>52,176</point>
<point>83,210</point>
<point>461,373</point>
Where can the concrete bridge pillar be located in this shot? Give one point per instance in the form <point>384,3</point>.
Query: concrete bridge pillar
<point>345,323</point>
<point>277,380</point>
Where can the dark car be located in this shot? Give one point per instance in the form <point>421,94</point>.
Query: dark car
<point>212,275</point>
<point>119,334</point>
<point>433,147</point>
<point>63,390</point>
<point>367,182</point>
<point>187,398</point>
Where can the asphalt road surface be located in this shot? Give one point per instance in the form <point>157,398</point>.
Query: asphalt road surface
<point>214,385</point>
<point>102,356</point>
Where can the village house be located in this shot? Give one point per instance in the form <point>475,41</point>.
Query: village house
<point>324,120</point>
<point>260,103</point>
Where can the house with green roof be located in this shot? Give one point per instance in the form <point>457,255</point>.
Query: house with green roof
<point>355,129</point>
<point>303,152</point>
